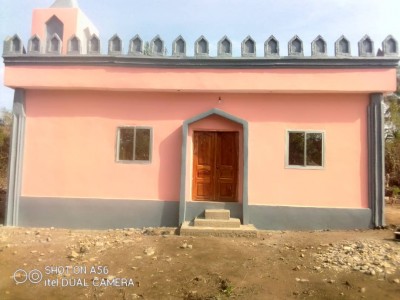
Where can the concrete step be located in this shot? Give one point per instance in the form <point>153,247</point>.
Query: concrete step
<point>231,223</point>
<point>243,231</point>
<point>218,214</point>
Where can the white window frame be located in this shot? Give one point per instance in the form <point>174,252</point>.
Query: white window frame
<point>304,167</point>
<point>134,161</point>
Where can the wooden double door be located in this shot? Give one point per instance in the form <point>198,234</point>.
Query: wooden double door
<point>215,166</point>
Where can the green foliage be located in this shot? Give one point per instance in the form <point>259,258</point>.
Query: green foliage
<point>5,128</point>
<point>392,134</point>
<point>5,131</point>
<point>147,49</point>
<point>396,191</point>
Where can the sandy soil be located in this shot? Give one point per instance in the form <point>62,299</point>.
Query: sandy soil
<point>392,214</point>
<point>157,264</point>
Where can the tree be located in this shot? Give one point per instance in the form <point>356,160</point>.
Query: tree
<point>392,139</point>
<point>5,131</point>
<point>147,49</point>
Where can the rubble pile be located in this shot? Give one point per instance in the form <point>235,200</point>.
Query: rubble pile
<point>368,257</point>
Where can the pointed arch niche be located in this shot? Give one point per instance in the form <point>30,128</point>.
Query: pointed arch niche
<point>54,26</point>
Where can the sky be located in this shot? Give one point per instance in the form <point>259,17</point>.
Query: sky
<point>215,18</point>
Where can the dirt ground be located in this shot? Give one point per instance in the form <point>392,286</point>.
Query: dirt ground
<point>157,264</point>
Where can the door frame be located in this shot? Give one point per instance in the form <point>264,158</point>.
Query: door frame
<point>186,162</point>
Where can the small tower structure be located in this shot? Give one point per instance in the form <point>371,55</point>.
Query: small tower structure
<point>66,20</point>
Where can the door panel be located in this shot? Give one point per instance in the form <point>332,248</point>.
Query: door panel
<point>215,166</point>
<point>204,165</point>
<point>226,166</point>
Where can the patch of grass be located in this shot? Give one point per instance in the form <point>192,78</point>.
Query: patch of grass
<point>226,287</point>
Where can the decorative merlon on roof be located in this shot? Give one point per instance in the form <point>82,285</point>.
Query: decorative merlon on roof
<point>295,47</point>
<point>13,46</point>
<point>93,45</point>
<point>342,47</point>
<point>179,47</point>
<point>115,45</point>
<point>271,47</point>
<point>318,47</point>
<point>249,47</point>
<point>157,46</point>
<point>74,46</point>
<point>225,47</point>
<point>366,46</point>
<point>201,47</point>
<point>135,46</point>
<point>65,4</point>
<point>390,46</point>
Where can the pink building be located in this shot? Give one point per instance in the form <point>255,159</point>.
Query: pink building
<point>131,140</point>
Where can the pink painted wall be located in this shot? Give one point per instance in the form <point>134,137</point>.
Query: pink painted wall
<point>342,183</point>
<point>201,80</point>
<point>71,136</point>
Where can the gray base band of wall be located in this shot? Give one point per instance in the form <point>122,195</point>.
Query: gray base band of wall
<point>96,213</point>
<point>111,214</point>
<point>308,218</point>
